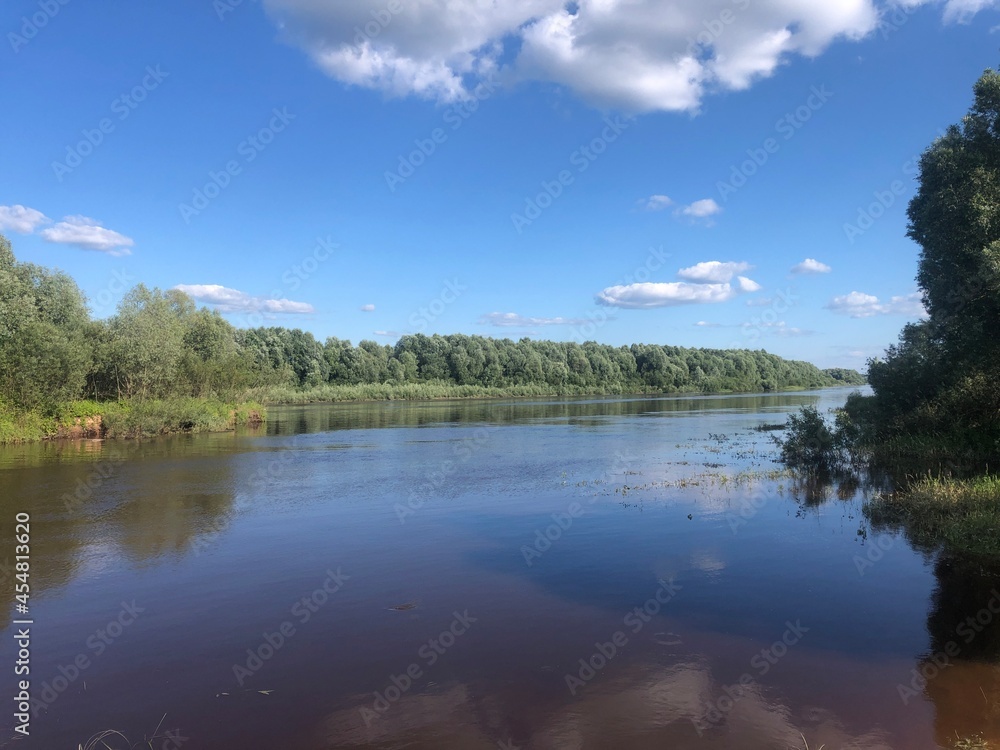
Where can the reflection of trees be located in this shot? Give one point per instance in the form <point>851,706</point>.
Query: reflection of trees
<point>288,420</point>
<point>146,499</point>
<point>966,692</point>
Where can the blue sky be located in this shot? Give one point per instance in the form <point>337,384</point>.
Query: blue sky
<point>616,170</point>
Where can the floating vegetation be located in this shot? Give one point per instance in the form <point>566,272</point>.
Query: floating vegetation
<point>768,427</point>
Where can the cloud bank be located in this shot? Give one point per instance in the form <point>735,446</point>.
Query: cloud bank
<point>635,55</point>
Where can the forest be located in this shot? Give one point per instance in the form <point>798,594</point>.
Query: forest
<point>160,345</point>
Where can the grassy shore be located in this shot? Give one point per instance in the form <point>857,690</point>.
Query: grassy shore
<point>963,515</point>
<point>127,419</point>
<point>441,390</point>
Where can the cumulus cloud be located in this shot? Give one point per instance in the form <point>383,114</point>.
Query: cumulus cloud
<point>861,305</point>
<point>88,234</point>
<point>652,55</point>
<point>229,300</point>
<point>513,320</point>
<point>665,294</point>
<point>635,55</point>
<point>368,308</point>
<point>655,203</point>
<point>714,271</point>
<point>810,265</point>
<point>703,209</point>
<point>21,219</point>
<point>703,283</point>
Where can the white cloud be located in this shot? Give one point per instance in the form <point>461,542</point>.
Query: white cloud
<point>665,294</point>
<point>635,55</point>
<point>20,218</point>
<point>861,305</point>
<point>387,334</point>
<point>781,328</point>
<point>513,320</point>
<point>234,301</point>
<point>962,11</point>
<point>704,283</point>
<point>706,324</point>
<point>368,308</point>
<point>747,285</point>
<point>655,203</point>
<point>703,209</point>
<point>88,234</point>
<point>713,271</point>
<point>810,265</point>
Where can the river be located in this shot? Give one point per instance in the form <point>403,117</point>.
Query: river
<point>573,573</point>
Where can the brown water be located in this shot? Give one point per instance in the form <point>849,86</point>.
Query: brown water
<point>687,595</point>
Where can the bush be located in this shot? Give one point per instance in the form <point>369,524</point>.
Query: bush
<point>809,443</point>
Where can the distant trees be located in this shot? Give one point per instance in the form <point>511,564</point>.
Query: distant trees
<point>158,344</point>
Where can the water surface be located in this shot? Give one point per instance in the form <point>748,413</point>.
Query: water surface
<point>579,573</point>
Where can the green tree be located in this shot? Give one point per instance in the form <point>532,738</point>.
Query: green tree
<point>44,348</point>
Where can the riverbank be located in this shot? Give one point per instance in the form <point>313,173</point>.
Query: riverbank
<point>963,515</point>
<point>440,391</point>
<point>127,419</point>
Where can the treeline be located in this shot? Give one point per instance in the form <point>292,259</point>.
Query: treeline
<point>940,385</point>
<point>160,345</point>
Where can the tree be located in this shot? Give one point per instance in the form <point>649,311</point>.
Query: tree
<point>44,350</point>
<point>955,218</point>
<point>941,376</point>
<point>145,342</point>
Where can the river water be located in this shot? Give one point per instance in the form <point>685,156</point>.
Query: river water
<point>579,573</point>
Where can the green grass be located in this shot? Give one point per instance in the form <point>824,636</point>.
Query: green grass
<point>128,419</point>
<point>24,427</point>
<point>431,390</point>
<point>963,515</point>
<point>149,418</point>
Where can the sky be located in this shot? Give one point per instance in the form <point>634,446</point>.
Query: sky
<point>716,173</point>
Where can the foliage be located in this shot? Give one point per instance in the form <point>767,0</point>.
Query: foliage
<point>809,443</point>
<point>961,514</point>
<point>940,380</point>
<point>143,368</point>
<point>844,376</point>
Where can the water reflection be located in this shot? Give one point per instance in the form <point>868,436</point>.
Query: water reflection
<point>643,707</point>
<point>581,411</point>
<point>961,671</point>
<point>217,534</point>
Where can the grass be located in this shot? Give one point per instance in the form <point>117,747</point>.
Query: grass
<point>975,742</point>
<point>127,419</point>
<point>963,515</point>
<point>431,390</point>
<point>415,392</point>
